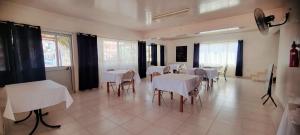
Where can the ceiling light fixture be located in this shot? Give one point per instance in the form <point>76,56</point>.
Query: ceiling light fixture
<point>167,14</point>
<point>219,30</point>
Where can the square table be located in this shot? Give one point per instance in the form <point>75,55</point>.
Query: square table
<point>33,96</point>
<point>182,84</point>
<point>116,76</point>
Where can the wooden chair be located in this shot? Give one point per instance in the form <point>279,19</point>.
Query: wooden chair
<point>225,72</point>
<point>166,70</point>
<point>155,74</point>
<point>196,93</point>
<point>128,79</point>
<point>180,68</point>
<point>202,75</point>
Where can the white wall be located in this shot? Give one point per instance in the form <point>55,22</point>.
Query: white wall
<point>49,21</point>
<point>288,33</point>
<point>259,50</point>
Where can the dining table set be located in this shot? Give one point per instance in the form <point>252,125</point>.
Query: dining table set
<point>116,77</point>
<point>34,96</point>
<point>185,82</point>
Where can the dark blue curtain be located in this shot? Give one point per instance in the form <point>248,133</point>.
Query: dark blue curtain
<point>88,61</point>
<point>142,60</point>
<point>5,56</point>
<point>153,54</point>
<point>196,55</point>
<point>23,53</point>
<point>162,55</point>
<point>239,60</point>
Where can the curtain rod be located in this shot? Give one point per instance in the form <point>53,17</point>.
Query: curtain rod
<point>86,34</point>
<point>20,24</point>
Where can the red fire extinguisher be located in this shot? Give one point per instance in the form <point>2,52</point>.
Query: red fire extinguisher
<point>294,56</point>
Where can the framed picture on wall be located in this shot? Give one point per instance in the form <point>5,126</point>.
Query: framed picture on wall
<point>181,53</point>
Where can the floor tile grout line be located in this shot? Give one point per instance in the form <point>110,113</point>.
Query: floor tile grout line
<point>210,126</point>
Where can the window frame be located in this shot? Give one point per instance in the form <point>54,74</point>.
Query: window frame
<point>59,65</point>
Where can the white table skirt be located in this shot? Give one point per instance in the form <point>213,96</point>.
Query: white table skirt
<point>286,127</point>
<point>178,83</point>
<point>211,72</point>
<point>152,69</point>
<point>25,97</point>
<point>116,76</point>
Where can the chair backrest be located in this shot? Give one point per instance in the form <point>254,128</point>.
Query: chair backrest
<point>181,67</point>
<point>198,83</point>
<point>225,69</point>
<point>128,76</point>
<point>201,73</point>
<point>166,69</point>
<point>155,74</point>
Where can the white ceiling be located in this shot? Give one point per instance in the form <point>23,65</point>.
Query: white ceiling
<point>131,14</point>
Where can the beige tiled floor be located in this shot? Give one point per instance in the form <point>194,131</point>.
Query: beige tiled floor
<point>230,108</point>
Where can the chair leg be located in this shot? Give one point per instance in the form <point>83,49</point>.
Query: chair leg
<point>200,100</point>
<point>133,87</point>
<point>153,96</point>
<point>112,88</point>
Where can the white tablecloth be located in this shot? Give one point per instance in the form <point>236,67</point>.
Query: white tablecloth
<point>211,72</point>
<point>286,127</point>
<point>179,83</point>
<point>25,97</point>
<point>152,69</point>
<point>116,76</point>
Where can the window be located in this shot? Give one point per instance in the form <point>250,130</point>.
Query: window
<point>57,49</point>
<point>148,53</point>
<point>218,54</point>
<point>117,54</point>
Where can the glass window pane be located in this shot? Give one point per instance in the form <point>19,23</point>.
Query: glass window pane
<point>64,50</point>
<point>148,53</point>
<point>110,54</point>
<point>49,49</point>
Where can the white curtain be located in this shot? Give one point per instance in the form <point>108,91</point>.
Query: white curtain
<point>117,54</point>
<point>219,54</point>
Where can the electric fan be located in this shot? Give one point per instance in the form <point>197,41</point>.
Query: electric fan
<point>264,23</point>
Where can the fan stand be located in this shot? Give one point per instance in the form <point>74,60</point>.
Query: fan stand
<point>269,93</point>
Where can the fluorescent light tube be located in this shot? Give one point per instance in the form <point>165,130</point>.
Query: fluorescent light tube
<point>219,30</point>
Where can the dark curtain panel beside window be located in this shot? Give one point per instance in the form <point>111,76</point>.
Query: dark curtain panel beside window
<point>88,61</point>
<point>29,56</point>
<point>162,55</point>
<point>196,55</point>
<point>142,58</point>
<point>153,54</point>
<point>239,60</point>
<point>23,53</point>
<point>5,43</point>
